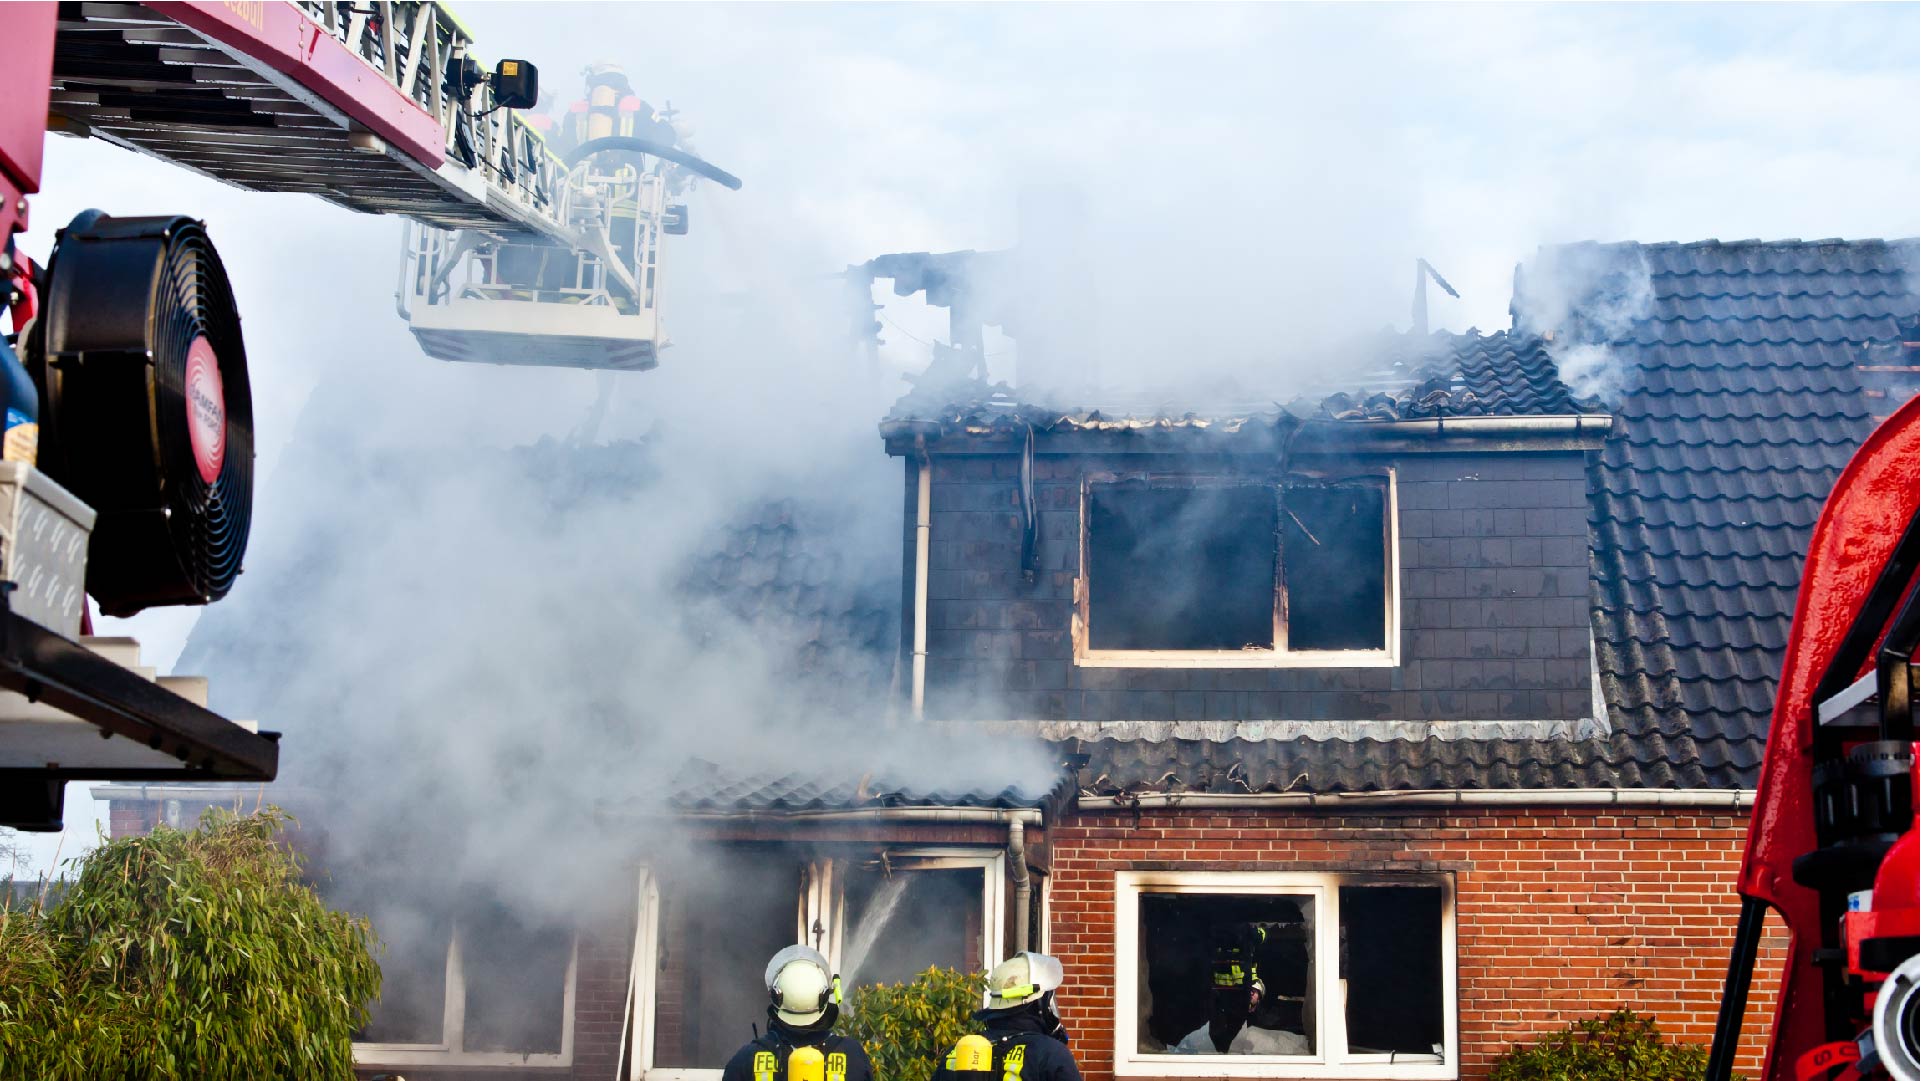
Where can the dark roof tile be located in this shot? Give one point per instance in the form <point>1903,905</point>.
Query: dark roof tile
<point>1745,398</point>
<point>704,786</point>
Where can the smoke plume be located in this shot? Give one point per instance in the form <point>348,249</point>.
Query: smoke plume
<point>1587,297</point>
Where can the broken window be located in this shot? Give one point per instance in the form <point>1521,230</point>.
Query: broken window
<point>1240,570</point>
<point>473,981</point>
<point>1252,970</point>
<point>1180,568</point>
<point>413,975</point>
<point>1391,964</point>
<point>708,925</point>
<point>1334,566</point>
<point>1228,973</point>
<point>515,974</point>
<point>902,920</point>
<point>722,917</point>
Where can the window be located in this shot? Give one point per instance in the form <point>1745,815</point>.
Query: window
<point>706,931</point>
<point>478,985</point>
<point>719,923</point>
<point>1237,572</point>
<point>908,912</point>
<point>1223,974</point>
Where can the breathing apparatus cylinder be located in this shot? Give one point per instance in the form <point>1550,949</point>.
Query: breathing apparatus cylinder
<point>806,1064</point>
<point>606,85</point>
<point>973,1058</point>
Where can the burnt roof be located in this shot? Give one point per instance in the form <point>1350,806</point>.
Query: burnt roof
<point>704,786</point>
<point>1403,377</point>
<point>1749,375</point>
<point>1751,384</point>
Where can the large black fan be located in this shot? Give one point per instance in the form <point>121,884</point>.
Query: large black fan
<point>147,414</point>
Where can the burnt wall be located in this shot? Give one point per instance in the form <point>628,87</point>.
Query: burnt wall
<point>1494,601</point>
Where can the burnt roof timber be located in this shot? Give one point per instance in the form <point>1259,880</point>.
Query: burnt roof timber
<point>1578,432</point>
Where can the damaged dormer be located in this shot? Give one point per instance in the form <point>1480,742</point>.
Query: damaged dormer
<point>1408,560</point>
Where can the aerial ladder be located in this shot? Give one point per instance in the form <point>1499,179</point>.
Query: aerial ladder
<point>123,383</point>
<point>1833,842</point>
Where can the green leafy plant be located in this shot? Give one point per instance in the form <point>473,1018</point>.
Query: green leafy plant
<point>185,955</point>
<point>1623,1046</point>
<point>908,1028</point>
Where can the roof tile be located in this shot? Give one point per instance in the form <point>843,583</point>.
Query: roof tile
<point>1747,398</point>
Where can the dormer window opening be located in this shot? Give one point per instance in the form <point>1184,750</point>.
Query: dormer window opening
<point>1237,571</point>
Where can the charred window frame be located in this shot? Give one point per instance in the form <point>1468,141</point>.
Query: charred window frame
<point>457,1046</point>
<point>824,916</point>
<point>1363,932</point>
<point>1263,506</point>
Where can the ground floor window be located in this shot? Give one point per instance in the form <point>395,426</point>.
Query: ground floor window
<point>1325,975</point>
<point>471,983</point>
<point>709,923</point>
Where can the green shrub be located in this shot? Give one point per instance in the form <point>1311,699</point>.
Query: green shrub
<point>1622,1046</point>
<point>185,955</point>
<point>908,1028</point>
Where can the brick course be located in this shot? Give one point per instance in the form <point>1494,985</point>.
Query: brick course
<point>1560,915</point>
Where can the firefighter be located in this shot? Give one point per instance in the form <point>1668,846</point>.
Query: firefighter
<point>1238,988</point>
<point>800,1044</point>
<point>1025,1039</point>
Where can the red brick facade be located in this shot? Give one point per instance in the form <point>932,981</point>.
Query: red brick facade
<point>1560,914</point>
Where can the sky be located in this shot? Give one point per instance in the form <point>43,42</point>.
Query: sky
<point>1254,178</point>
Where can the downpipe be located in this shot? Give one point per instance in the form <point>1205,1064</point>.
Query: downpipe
<point>923,527</point>
<point>1023,884</point>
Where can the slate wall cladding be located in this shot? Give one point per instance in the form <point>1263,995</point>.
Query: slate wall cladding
<point>1494,588</point>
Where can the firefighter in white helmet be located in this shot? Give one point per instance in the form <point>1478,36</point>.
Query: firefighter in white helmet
<point>1025,1039</point>
<point>800,1044</point>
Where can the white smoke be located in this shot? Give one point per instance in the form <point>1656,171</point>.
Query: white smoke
<point>1588,299</point>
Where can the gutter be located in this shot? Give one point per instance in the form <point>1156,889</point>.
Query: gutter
<point>1580,422</point>
<point>1731,799</point>
<point>1592,424</point>
<point>977,816</point>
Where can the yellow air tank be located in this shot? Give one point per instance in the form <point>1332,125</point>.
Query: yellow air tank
<point>973,1054</point>
<point>806,1064</point>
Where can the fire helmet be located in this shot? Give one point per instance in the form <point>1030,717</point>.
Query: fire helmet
<point>801,986</point>
<point>1023,978</point>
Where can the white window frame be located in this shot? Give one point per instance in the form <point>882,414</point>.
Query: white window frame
<point>823,893</point>
<point>991,862</point>
<point>1330,1059</point>
<point>451,1051</point>
<point>1086,656</point>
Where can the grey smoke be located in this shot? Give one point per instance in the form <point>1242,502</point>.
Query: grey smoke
<point>1588,297</point>
<point>466,662</point>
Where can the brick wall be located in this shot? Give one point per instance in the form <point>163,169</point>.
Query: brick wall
<point>132,818</point>
<point>600,995</point>
<point>1494,584</point>
<point>1560,915</point>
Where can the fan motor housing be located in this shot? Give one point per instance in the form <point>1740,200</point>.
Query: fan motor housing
<point>147,413</point>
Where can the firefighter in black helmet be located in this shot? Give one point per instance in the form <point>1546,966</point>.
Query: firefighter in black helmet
<point>800,1044</point>
<point>1025,1039</point>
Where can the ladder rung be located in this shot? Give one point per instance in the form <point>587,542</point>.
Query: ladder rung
<point>1837,710</point>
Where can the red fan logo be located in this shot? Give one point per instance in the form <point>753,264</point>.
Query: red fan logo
<point>206,410</point>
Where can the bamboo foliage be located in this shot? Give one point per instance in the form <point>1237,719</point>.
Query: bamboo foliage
<point>195,954</point>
